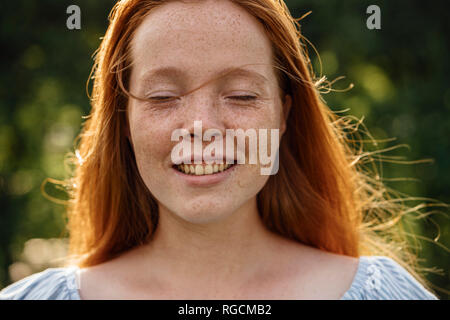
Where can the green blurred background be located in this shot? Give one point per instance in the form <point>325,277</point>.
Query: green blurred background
<point>401,88</point>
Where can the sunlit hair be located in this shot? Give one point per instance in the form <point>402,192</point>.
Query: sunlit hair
<point>325,195</point>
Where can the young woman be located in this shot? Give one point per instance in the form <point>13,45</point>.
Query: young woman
<point>145,227</point>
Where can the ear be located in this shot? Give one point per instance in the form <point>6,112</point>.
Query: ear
<point>287,103</point>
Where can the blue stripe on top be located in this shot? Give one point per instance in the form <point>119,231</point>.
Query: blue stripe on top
<point>381,278</point>
<point>377,278</point>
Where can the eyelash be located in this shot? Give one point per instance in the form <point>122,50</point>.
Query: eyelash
<point>244,98</point>
<point>165,99</point>
<point>162,99</point>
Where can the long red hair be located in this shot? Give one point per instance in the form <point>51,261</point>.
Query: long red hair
<point>322,195</point>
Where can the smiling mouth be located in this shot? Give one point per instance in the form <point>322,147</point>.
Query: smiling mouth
<point>203,169</point>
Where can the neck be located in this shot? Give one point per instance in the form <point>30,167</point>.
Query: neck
<point>228,250</point>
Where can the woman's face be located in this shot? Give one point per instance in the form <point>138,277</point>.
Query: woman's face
<point>177,48</point>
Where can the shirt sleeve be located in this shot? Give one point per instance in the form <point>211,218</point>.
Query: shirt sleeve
<point>384,279</point>
<point>50,284</point>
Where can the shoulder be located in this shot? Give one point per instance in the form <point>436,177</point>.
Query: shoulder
<point>313,273</point>
<point>381,278</point>
<point>50,284</point>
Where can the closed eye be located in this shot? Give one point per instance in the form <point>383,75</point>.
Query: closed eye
<point>243,98</point>
<point>162,98</point>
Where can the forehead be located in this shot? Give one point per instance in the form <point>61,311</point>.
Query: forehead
<point>203,37</point>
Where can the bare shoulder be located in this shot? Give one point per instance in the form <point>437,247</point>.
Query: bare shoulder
<point>318,274</point>
<point>101,281</point>
<point>118,278</point>
<point>337,273</point>
<point>92,281</point>
<point>335,261</point>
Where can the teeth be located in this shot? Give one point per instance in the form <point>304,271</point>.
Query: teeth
<point>208,169</point>
<point>199,169</point>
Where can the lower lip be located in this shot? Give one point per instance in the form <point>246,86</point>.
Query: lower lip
<point>205,180</point>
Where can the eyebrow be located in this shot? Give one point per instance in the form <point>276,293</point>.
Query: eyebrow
<point>173,72</point>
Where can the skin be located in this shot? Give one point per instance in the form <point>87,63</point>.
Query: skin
<point>210,242</point>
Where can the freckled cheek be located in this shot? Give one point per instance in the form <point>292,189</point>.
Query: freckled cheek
<point>151,143</point>
<point>254,120</point>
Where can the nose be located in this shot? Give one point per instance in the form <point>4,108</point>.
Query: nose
<point>203,109</point>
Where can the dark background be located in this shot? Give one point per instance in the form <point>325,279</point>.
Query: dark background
<point>401,88</point>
